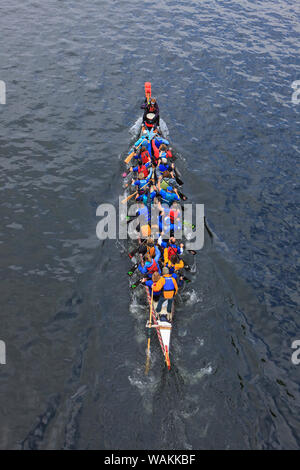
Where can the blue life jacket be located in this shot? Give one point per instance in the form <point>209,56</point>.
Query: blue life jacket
<point>169,284</point>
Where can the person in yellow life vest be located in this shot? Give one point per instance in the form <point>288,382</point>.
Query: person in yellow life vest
<point>174,263</point>
<point>170,289</point>
<point>155,284</point>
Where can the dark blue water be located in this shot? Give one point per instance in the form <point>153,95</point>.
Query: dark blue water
<point>222,72</point>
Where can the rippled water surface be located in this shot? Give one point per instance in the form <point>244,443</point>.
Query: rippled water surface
<point>222,72</point>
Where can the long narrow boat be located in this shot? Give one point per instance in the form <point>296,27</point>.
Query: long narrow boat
<point>160,323</point>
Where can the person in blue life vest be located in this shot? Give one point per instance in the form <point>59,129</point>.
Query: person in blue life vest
<point>166,225</point>
<point>168,195</point>
<point>148,195</point>
<point>170,219</point>
<point>162,166</point>
<point>144,141</point>
<point>141,181</point>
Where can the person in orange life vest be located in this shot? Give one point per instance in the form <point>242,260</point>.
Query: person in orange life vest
<point>170,289</point>
<point>141,168</point>
<point>151,265</point>
<point>144,155</point>
<point>154,284</point>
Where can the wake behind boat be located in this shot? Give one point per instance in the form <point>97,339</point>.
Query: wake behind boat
<point>154,184</point>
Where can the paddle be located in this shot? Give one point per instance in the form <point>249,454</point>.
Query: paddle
<point>127,159</point>
<point>179,181</point>
<point>148,91</point>
<point>130,218</point>
<point>149,336</point>
<point>181,195</point>
<point>136,284</point>
<point>189,224</point>
<point>208,229</point>
<point>131,271</point>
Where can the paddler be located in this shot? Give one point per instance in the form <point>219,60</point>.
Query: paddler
<point>167,179</point>
<point>169,195</point>
<point>151,264</point>
<point>171,246</point>
<point>141,181</point>
<point>154,284</point>
<point>157,143</point>
<point>174,263</point>
<point>144,155</point>
<point>151,107</point>
<point>145,140</point>
<point>170,289</point>
<point>162,166</point>
<point>141,168</point>
<point>170,220</point>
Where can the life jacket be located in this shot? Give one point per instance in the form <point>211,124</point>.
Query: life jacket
<point>164,183</point>
<point>151,109</point>
<point>169,283</point>
<point>173,215</point>
<point>168,197</point>
<point>143,169</point>
<point>145,156</point>
<point>172,250</point>
<point>153,268</point>
<point>169,154</point>
<point>155,290</point>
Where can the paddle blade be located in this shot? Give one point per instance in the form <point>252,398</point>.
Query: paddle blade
<point>148,90</point>
<point>127,159</point>
<point>147,367</point>
<point>167,358</point>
